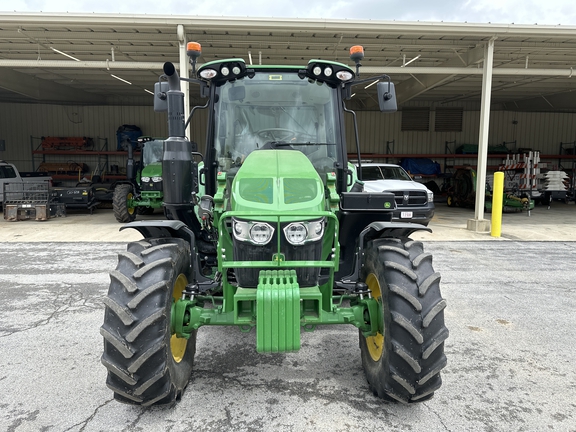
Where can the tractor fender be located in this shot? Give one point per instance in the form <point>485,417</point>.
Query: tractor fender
<point>372,231</point>
<point>162,229</point>
<point>390,229</point>
<point>176,229</point>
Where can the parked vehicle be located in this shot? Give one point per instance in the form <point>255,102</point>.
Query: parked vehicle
<point>10,174</point>
<point>141,192</point>
<point>462,193</point>
<point>414,201</point>
<point>271,234</point>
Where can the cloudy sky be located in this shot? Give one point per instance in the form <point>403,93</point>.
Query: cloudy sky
<point>550,12</point>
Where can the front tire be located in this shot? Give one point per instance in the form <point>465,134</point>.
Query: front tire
<point>123,212</point>
<point>147,364</point>
<point>403,363</point>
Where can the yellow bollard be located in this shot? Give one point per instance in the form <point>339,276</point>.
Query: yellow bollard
<point>497,200</point>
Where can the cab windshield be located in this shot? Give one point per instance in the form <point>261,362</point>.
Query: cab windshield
<point>152,152</point>
<point>278,111</point>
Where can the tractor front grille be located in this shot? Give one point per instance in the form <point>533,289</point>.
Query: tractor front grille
<point>151,186</point>
<point>410,198</point>
<point>248,277</point>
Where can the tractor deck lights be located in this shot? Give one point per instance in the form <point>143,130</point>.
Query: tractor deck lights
<point>332,73</point>
<point>224,70</point>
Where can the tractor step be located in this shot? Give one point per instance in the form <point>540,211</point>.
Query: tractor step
<point>278,312</point>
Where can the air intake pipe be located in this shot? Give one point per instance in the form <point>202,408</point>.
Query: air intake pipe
<point>177,162</point>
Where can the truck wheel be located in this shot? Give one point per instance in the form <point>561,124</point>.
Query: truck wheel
<point>122,212</point>
<point>146,363</point>
<point>404,362</point>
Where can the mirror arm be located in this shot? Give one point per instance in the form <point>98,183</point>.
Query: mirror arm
<point>365,80</point>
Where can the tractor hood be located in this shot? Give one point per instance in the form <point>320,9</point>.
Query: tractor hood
<point>152,170</point>
<point>277,181</point>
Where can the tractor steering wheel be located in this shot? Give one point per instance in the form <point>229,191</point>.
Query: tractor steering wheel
<point>276,134</point>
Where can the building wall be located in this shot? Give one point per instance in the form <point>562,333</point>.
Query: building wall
<point>20,122</point>
<point>23,125</point>
<point>537,131</point>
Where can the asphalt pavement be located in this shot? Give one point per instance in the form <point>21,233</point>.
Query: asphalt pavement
<point>510,352</point>
<point>511,302</point>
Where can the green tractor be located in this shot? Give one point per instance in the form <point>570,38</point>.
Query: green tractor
<point>142,191</point>
<point>462,193</point>
<point>271,230</point>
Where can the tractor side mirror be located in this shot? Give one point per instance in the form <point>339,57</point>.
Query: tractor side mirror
<point>160,97</point>
<point>387,97</point>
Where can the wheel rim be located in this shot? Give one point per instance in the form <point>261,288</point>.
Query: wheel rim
<point>131,209</point>
<point>375,344</point>
<point>178,345</point>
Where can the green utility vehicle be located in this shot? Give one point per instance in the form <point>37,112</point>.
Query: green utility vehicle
<point>271,231</point>
<point>142,191</point>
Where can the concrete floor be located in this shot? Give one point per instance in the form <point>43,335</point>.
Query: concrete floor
<point>449,224</point>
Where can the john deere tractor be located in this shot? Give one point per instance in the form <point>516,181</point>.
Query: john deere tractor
<point>141,192</point>
<point>271,230</point>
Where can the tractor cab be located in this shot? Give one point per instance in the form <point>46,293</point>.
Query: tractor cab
<point>297,108</point>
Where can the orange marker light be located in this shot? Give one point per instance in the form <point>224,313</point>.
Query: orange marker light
<point>357,49</point>
<point>356,53</point>
<point>193,46</point>
<point>193,49</point>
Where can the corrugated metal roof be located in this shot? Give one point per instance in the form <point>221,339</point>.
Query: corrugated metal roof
<point>129,39</point>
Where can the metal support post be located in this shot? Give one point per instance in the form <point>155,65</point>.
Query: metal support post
<point>478,224</point>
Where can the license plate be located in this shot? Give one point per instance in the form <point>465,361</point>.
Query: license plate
<point>405,215</point>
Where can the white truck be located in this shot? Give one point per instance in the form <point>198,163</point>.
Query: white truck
<point>10,176</point>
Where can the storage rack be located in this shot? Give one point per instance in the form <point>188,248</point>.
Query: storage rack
<point>100,155</point>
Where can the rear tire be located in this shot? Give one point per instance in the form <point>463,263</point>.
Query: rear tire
<point>122,212</point>
<point>404,363</point>
<point>147,365</point>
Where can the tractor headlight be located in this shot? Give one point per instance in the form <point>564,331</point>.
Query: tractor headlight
<point>145,179</point>
<point>298,233</point>
<point>317,70</point>
<point>430,196</point>
<point>208,73</point>
<point>157,179</point>
<point>328,71</point>
<point>225,71</point>
<point>344,75</point>
<point>259,233</point>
